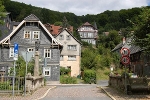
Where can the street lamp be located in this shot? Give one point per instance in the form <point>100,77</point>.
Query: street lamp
<point>36,66</point>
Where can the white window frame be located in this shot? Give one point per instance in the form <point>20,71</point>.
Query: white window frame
<point>61,57</point>
<point>11,52</point>
<point>71,57</point>
<point>71,47</point>
<point>27,34</point>
<point>37,33</point>
<point>47,69</point>
<point>30,49</point>
<point>47,53</point>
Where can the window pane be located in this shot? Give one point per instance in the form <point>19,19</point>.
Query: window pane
<point>47,53</point>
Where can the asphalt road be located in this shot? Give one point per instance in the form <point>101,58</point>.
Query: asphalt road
<point>76,92</point>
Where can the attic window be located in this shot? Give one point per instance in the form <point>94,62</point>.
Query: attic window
<point>68,37</point>
<point>36,34</point>
<point>27,34</point>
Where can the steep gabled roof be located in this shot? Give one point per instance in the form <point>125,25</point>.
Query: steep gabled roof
<point>31,17</point>
<point>27,19</point>
<point>87,24</point>
<point>133,48</point>
<point>70,34</point>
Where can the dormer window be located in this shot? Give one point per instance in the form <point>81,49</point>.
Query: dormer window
<point>36,34</point>
<point>27,34</point>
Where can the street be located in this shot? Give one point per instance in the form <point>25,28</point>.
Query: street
<point>76,92</point>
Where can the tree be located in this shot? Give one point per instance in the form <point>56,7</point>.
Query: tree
<point>141,26</point>
<point>2,12</point>
<point>21,67</point>
<point>88,59</point>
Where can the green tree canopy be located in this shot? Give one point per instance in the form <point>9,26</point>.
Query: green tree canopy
<point>142,30</point>
<point>2,12</point>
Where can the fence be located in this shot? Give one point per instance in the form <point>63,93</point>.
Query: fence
<point>6,85</point>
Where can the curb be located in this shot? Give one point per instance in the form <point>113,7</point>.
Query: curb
<point>69,84</point>
<point>45,93</point>
<point>108,94</point>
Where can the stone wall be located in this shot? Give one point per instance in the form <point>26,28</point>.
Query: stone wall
<point>32,83</point>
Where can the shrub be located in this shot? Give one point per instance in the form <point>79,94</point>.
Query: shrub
<point>5,85</point>
<point>89,76</point>
<point>64,79</point>
<point>64,71</point>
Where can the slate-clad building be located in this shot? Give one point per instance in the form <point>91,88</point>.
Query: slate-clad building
<point>25,34</point>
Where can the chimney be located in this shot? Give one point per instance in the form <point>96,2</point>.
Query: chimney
<point>123,40</point>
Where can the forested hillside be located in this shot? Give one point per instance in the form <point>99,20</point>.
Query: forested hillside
<point>108,20</point>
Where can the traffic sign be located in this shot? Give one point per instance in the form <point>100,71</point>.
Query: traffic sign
<point>125,60</point>
<point>27,55</point>
<point>15,51</point>
<point>125,52</point>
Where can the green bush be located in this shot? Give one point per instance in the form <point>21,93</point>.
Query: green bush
<point>64,71</point>
<point>64,79</point>
<point>89,76</point>
<point>5,85</point>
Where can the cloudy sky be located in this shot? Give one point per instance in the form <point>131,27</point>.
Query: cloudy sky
<point>83,7</point>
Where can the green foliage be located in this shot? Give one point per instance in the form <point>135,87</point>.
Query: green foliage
<point>5,85</point>
<point>68,79</point>
<point>21,67</point>
<point>58,23</point>
<point>142,30</point>
<point>111,40</point>
<point>88,59</point>
<point>108,20</point>
<point>2,14</point>
<point>89,76</point>
<point>64,71</point>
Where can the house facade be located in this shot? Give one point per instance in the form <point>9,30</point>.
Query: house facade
<point>88,33</point>
<point>25,35</point>
<point>70,56</point>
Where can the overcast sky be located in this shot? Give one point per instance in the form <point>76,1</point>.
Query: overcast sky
<point>83,7</point>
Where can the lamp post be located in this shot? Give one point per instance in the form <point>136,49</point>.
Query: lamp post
<point>36,66</point>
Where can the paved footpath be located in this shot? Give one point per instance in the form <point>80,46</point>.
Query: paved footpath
<point>39,93</point>
<point>76,92</point>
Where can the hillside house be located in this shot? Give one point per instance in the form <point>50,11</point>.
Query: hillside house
<point>70,56</point>
<point>139,61</point>
<point>26,34</point>
<point>88,33</point>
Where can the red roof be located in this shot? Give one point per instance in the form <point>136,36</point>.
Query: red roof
<point>54,30</point>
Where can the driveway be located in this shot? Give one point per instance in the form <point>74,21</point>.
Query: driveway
<point>76,92</point>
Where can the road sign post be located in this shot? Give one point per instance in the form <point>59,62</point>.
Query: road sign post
<point>15,58</point>
<point>125,59</point>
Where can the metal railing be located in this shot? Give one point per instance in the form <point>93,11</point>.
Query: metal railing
<point>6,85</point>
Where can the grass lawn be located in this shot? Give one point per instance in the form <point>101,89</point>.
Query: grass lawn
<point>103,74</point>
